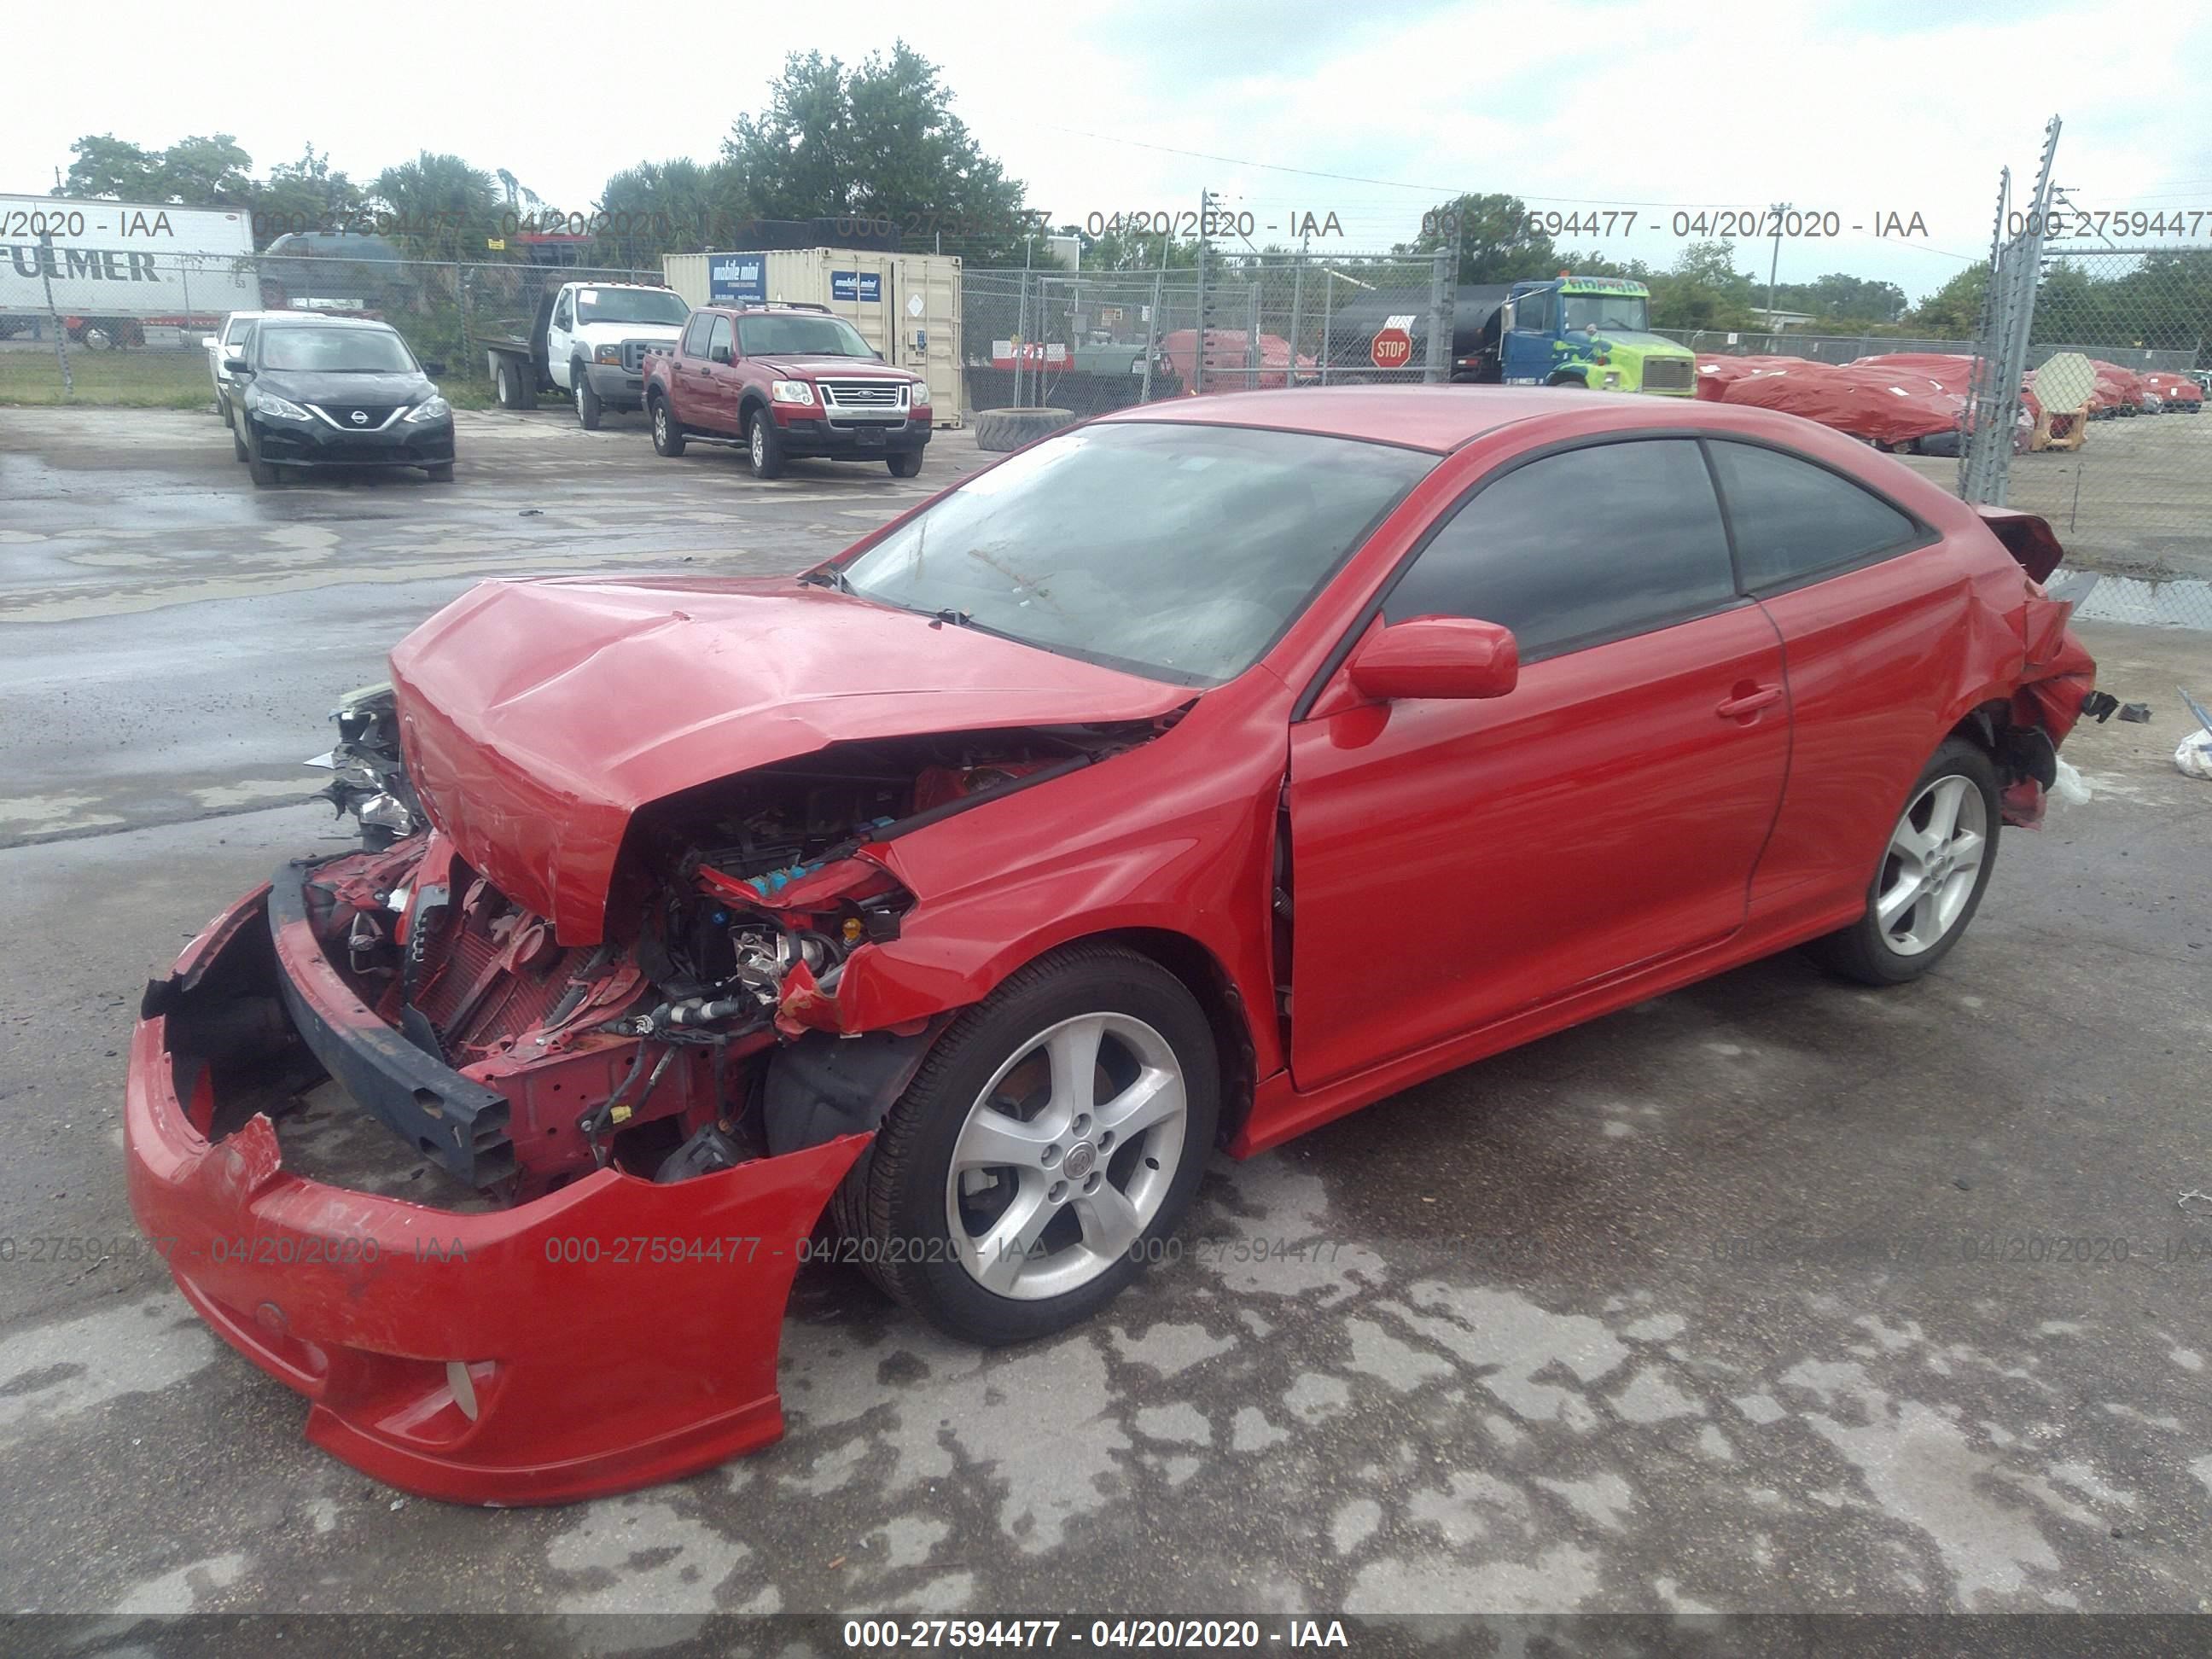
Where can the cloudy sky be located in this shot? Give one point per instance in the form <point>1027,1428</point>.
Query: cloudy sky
<point>1371,111</point>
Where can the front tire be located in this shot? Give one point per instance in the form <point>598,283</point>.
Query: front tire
<point>237,443</point>
<point>1054,1135</point>
<point>667,430</point>
<point>588,406</point>
<point>764,446</point>
<point>265,474</point>
<point>442,473</point>
<point>1931,876</point>
<point>904,466</point>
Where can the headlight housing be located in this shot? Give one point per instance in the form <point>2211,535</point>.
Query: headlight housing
<point>791,392</point>
<point>432,408</point>
<point>608,354</point>
<point>276,408</point>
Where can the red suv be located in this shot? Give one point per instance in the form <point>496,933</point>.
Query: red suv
<point>786,380</point>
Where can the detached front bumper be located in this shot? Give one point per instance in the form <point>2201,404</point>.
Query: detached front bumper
<point>614,1334</point>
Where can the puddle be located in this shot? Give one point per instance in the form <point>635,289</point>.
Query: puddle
<point>2185,603</point>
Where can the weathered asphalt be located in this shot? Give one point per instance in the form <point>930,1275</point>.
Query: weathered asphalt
<point>1771,1295</point>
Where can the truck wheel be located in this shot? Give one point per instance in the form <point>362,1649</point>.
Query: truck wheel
<point>506,386</point>
<point>588,406</point>
<point>264,473</point>
<point>764,446</point>
<point>1001,429</point>
<point>1572,382</point>
<point>904,466</point>
<point>667,430</point>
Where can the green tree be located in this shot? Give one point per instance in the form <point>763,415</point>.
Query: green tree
<point>1703,290</point>
<point>1496,243</point>
<point>676,206</point>
<point>441,207</point>
<point>109,166</point>
<point>1952,312</point>
<point>876,139</point>
<point>207,172</point>
<point>308,194</point>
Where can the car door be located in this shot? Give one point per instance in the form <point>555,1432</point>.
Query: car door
<point>689,393</point>
<point>560,332</point>
<point>723,378</point>
<point>1455,863</point>
<point>1869,607</point>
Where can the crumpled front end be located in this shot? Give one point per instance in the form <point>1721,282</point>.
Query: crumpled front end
<point>562,1271</point>
<point>612,1331</point>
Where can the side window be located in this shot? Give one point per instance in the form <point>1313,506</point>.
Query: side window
<point>564,311</point>
<point>1578,548</point>
<point>694,335</point>
<point>1535,311</point>
<point>1793,519</point>
<point>718,342</point>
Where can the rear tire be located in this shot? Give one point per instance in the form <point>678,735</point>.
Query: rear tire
<point>1095,1070</point>
<point>764,446</point>
<point>588,406</point>
<point>237,443</point>
<point>506,386</point>
<point>1930,880</point>
<point>667,430</point>
<point>904,466</point>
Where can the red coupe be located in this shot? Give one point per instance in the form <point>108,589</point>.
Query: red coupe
<point>1188,779</point>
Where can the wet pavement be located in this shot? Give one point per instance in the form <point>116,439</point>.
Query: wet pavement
<point>1774,1294</point>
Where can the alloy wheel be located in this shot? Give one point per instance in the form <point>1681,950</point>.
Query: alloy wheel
<point>1066,1156</point>
<point>1934,861</point>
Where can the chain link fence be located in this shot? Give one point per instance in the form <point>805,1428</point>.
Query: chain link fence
<point>134,329</point>
<point>2131,494</point>
<point>1088,342</point>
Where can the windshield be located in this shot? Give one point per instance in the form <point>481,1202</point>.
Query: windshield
<point>1632,312</point>
<point>629,304</point>
<point>1178,552</point>
<point>329,350</point>
<point>800,336</point>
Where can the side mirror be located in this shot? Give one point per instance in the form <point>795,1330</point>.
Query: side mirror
<point>1437,657</point>
<point>433,366</point>
<point>720,354</point>
<point>234,362</point>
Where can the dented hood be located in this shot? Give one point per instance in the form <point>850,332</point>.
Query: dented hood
<point>538,716</point>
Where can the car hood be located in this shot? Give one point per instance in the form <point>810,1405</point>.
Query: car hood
<point>1651,345</point>
<point>536,717</point>
<point>368,390</point>
<point>836,368</point>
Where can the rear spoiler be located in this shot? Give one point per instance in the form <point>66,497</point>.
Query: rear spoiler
<point>2030,540</point>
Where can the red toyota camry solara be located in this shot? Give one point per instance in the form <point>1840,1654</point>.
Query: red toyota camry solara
<point>961,896</point>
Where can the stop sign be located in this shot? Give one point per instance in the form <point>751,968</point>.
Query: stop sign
<point>1393,348</point>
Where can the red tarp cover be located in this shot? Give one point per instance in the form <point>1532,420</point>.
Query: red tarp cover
<point>1882,405</point>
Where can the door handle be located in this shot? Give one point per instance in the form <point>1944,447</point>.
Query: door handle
<point>1746,699</point>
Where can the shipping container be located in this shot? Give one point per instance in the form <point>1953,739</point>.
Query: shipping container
<point>164,264</point>
<point>907,306</point>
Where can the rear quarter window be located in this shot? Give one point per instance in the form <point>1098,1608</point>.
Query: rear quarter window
<point>1795,521</point>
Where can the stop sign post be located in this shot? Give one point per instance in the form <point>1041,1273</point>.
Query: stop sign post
<point>1393,348</point>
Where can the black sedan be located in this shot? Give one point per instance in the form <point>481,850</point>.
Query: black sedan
<point>335,392</point>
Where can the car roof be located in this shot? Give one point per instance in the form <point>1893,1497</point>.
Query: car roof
<point>1441,418</point>
<point>364,324</point>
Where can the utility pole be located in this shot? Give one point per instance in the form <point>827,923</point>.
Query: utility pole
<point>61,332</point>
<point>1774,268</point>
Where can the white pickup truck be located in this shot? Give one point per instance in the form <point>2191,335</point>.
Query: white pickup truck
<point>588,341</point>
